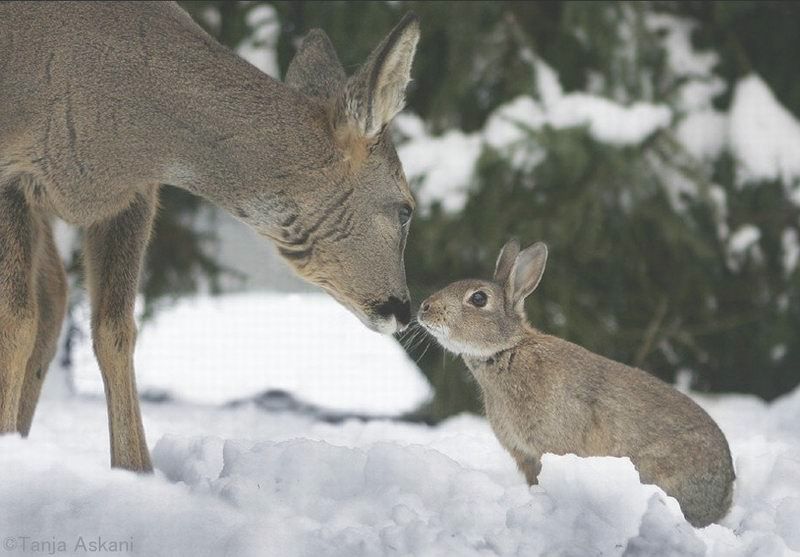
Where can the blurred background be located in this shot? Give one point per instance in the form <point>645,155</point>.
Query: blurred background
<point>655,147</point>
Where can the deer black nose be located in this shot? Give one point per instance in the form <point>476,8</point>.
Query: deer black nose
<point>401,309</point>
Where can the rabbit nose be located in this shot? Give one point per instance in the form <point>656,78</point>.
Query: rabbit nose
<point>425,306</point>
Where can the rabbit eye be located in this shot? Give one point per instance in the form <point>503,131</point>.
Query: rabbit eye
<point>478,299</point>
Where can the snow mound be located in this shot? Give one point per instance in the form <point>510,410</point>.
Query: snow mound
<point>218,349</point>
<point>308,498</point>
<point>414,500</point>
<point>243,482</point>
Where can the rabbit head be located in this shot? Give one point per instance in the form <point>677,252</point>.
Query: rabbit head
<point>479,318</point>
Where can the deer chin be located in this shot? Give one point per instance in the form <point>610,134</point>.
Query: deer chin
<point>378,323</point>
<point>384,325</point>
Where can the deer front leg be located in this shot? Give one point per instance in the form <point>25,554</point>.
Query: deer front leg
<point>18,246</point>
<point>51,294</point>
<point>113,255</point>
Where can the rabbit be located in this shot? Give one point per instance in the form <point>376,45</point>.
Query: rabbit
<point>544,394</point>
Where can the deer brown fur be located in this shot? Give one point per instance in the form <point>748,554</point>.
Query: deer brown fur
<point>103,102</point>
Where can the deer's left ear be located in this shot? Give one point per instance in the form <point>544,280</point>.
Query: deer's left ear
<point>376,93</point>
<point>315,69</point>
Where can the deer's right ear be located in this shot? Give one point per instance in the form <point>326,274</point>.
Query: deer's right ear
<point>505,262</point>
<point>376,93</point>
<point>315,69</point>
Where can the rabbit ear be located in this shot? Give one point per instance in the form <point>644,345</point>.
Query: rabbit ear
<point>505,261</point>
<point>525,274</point>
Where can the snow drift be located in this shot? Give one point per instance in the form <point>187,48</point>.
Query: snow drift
<point>243,482</point>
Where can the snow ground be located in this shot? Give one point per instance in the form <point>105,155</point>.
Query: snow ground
<point>242,345</point>
<point>239,481</point>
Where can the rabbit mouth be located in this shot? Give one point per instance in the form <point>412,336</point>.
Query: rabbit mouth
<point>437,331</point>
<point>442,335</point>
<point>434,328</point>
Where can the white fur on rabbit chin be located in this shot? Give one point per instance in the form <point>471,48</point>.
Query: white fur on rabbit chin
<point>442,335</point>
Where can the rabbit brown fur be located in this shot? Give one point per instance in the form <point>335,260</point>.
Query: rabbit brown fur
<point>544,394</point>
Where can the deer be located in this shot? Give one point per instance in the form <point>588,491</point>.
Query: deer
<point>102,103</point>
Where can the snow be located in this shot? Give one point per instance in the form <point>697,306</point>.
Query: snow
<point>239,481</point>
<point>740,243</point>
<point>245,344</point>
<point>211,16</point>
<point>764,137</point>
<point>778,352</point>
<point>607,121</point>
<point>719,206</point>
<point>443,166</point>
<point>547,83</point>
<point>509,123</point>
<point>260,46</point>
<point>698,93</point>
<point>761,134</point>
<point>791,250</point>
<point>682,58</point>
<point>703,134</point>
<point>508,130</point>
<point>744,237</point>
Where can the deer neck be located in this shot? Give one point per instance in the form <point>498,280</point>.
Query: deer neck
<point>246,142</point>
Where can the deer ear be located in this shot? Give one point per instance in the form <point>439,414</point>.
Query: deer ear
<point>525,274</point>
<point>376,93</point>
<point>505,261</point>
<point>315,69</point>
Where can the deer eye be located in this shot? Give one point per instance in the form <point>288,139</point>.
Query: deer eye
<point>478,299</point>
<point>405,214</point>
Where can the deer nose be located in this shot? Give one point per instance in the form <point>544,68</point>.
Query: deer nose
<point>401,309</point>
